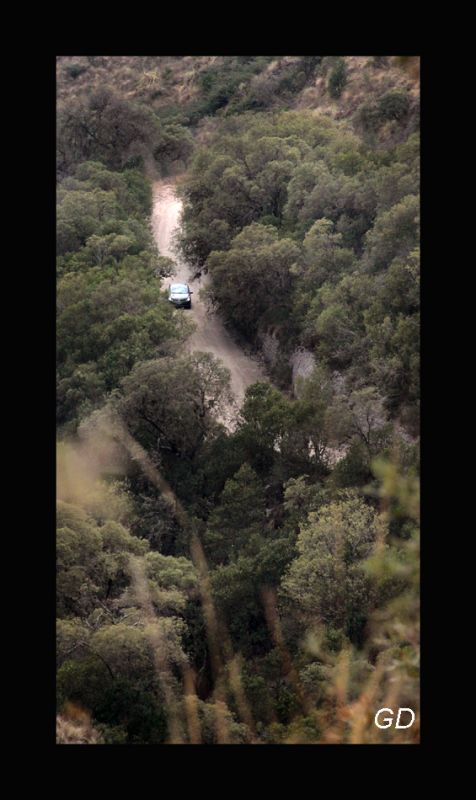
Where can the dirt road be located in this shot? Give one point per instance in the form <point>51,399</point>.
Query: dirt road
<point>210,334</point>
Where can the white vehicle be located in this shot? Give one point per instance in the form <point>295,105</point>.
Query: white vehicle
<point>180,295</point>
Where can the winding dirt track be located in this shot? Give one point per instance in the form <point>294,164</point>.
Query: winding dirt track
<point>210,334</point>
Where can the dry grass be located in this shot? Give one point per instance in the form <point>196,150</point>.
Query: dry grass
<point>73,726</point>
<point>157,81</point>
<point>161,81</point>
<point>364,82</point>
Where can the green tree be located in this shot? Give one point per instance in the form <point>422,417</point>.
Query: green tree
<point>170,404</point>
<point>326,580</point>
<point>91,560</point>
<point>266,415</point>
<point>238,522</point>
<point>325,257</point>
<point>394,105</point>
<point>102,126</point>
<point>337,79</point>
<point>310,64</point>
<point>394,234</point>
<point>252,280</point>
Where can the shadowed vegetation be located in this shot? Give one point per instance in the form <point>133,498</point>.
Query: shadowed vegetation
<point>259,584</point>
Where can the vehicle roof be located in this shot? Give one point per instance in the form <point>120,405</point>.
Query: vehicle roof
<point>178,286</point>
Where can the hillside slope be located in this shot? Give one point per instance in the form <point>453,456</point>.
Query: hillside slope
<point>190,88</point>
<point>254,582</point>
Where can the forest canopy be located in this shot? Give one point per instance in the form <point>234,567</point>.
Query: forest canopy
<point>238,571</point>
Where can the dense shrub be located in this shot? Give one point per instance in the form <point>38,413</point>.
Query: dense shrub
<point>394,105</point>
<point>299,611</point>
<point>74,70</point>
<point>337,79</point>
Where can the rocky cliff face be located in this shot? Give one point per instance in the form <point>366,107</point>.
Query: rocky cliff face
<point>302,362</point>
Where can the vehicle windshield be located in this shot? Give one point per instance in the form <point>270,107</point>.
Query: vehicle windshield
<point>179,288</point>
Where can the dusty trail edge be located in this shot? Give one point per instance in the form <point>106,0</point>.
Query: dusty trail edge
<point>210,334</point>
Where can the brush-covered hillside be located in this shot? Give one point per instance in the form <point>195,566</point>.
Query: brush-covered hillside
<point>378,95</point>
<point>254,582</point>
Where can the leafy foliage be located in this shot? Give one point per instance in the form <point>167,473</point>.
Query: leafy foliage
<point>259,584</point>
<point>111,311</point>
<point>310,226</point>
<point>326,580</point>
<point>337,79</point>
